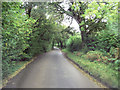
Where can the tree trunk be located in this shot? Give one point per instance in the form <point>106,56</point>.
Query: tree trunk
<point>53,44</point>
<point>84,38</point>
<point>58,44</point>
<point>61,44</point>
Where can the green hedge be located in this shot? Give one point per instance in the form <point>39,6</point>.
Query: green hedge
<point>74,43</point>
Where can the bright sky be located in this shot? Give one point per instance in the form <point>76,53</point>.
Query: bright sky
<point>66,21</point>
<point>74,23</point>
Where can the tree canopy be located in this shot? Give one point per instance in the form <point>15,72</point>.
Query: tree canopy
<point>32,28</point>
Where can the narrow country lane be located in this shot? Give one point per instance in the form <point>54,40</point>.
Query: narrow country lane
<point>51,70</point>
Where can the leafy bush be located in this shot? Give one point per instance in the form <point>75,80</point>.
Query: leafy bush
<point>103,41</point>
<point>114,52</point>
<point>98,56</point>
<point>99,70</point>
<point>21,39</point>
<point>115,64</point>
<point>94,55</point>
<point>15,35</point>
<point>74,43</point>
<point>77,53</point>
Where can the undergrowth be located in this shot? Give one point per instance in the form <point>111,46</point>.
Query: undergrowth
<point>97,69</point>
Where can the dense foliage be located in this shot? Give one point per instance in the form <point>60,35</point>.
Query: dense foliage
<point>32,28</point>
<point>91,16</point>
<point>98,25</point>
<point>102,72</point>
<point>100,40</point>
<point>74,43</point>
<point>23,36</point>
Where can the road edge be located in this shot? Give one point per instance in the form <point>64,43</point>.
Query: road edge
<point>77,66</point>
<point>5,81</point>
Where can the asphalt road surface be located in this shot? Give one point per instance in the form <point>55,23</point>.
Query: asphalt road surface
<point>51,70</point>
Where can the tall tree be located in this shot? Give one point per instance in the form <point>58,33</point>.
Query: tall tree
<point>90,16</point>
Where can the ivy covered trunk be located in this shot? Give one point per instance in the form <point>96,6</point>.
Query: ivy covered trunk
<point>83,36</point>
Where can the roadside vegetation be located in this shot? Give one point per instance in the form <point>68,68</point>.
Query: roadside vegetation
<point>99,70</point>
<point>24,35</point>
<point>97,48</point>
<point>33,28</point>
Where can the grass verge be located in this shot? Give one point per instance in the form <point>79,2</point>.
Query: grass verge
<point>100,71</point>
